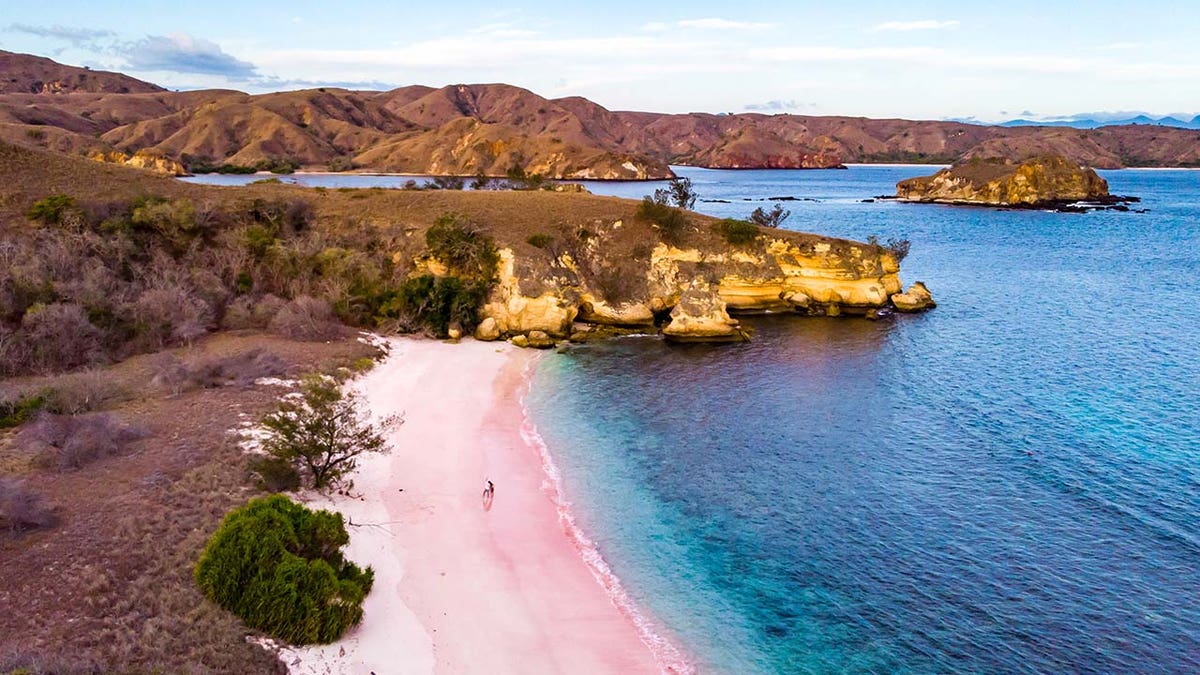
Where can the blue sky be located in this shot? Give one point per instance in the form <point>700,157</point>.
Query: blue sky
<point>930,60</point>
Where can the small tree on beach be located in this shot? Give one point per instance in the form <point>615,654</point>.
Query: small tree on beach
<point>323,432</point>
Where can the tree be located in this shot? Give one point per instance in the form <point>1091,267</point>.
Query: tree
<point>678,192</point>
<point>772,218</point>
<point>323,432</point>
<point>278,566</point>
<point>897,247</point>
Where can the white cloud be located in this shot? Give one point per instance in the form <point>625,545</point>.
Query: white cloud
<point>924,24</point>
<point>705,24</point>
<point>843,54</point>
<point>722,24</point>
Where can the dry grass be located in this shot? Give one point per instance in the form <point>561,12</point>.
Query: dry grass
<point>109,588</point>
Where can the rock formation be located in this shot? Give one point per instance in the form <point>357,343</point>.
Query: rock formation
<point>1050,180</point>
<point>916,299</point>
<point>691,291</point>
<point>141,160</point>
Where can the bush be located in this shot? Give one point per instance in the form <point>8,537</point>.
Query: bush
<point>248,312</point>
<point>274,474</point>
<point>669,219</point>
<point>736,232</point>
<point>278,566</point>
<point>340,164</point>
<point>166,316</point>
<point>447,183</point>
<point>68,442</point>
<point>50,211</point>
<point>897,247</point>
<point>306,318</point>
<point>678,192</point>
<point>57,337</point>
<point>464,249</point>
<point>322,433</point>
<point>84,391</point>
<point>176,376</point>
<point>16,411</point>
<point>539,240</point>
<point>22,509</point>
<point>772,218</point>
<point>440,302</point>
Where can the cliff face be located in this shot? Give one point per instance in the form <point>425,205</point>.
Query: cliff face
<point>141,160</point>
<point>1041,181</point>
<point>689,292</point>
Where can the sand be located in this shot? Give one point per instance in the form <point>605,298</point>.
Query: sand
<point>462,586</point>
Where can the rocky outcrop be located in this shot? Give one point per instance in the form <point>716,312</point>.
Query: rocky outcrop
<point>1044,181</point>
<point>916,299</point>
<point>690,292</point>
<point>148,161</point>
<point>701,316</point>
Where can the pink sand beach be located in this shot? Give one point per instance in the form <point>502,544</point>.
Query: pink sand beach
<point>464,586</point>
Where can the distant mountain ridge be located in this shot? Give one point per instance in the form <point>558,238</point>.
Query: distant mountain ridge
<point>1090,123</point>
<point>468,129</point>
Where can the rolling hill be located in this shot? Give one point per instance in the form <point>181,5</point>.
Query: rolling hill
<point>491,128</point>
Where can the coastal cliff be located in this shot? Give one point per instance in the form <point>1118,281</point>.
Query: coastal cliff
<point>148,161</point>
<point>690,291</point>
<point>1049,180</point>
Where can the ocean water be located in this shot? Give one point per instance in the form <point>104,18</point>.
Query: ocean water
<point>1009,483</point>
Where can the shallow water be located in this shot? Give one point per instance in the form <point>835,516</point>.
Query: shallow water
<point>1010,483</point>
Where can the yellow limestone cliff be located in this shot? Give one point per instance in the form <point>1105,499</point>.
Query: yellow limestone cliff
<point>691,292</point>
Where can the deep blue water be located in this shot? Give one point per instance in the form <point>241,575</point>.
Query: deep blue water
<point>1009,483</point>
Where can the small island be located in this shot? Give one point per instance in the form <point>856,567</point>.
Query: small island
<point>1047,181</point>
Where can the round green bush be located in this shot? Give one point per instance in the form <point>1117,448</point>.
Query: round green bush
<point>278,566</point>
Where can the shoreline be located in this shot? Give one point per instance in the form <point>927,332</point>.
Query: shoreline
<point>460,587</point>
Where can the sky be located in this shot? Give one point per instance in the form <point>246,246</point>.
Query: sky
<point>916,60</point>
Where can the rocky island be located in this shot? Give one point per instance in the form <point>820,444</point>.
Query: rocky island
<point>1048,181</point>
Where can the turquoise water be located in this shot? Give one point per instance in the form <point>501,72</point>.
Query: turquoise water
<point>1010,483</point>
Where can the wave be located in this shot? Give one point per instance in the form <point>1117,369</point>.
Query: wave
<point>670,659</point>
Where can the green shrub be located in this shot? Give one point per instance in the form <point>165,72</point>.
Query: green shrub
<point>439,302</point>
<point>278,566</point>
<point>669,219</point>
<point>50,211</point>
<point>465,250</point>
<point>539,240</point>
<point>17,411</point>
<point>736,232</point>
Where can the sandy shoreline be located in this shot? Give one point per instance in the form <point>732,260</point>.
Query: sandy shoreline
<point>460,588</point>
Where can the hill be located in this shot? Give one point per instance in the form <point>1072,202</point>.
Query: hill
<point>492,128</point>
<point>29,74</point>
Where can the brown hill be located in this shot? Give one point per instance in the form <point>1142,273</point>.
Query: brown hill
<point>490,128</point>
<point>29,74</point>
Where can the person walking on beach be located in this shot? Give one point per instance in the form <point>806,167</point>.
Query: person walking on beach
<point>489,493</point>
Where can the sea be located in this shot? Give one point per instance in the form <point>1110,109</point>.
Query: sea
<point>1009,483</point>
